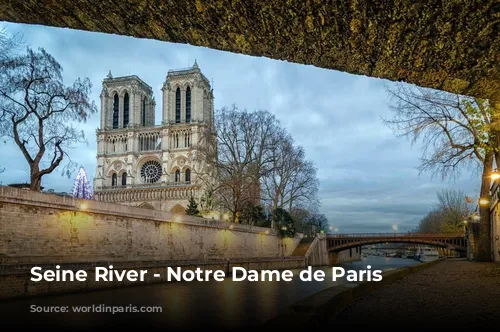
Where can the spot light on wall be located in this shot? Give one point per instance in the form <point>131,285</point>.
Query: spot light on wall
<point>177,218</point>
<point>83,206</point>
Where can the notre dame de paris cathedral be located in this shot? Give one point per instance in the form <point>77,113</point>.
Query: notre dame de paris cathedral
<point>140,163</point>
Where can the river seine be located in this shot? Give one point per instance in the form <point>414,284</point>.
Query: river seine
<point>224,305</point>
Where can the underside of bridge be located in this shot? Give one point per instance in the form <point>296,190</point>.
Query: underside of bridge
<point>447,45</point>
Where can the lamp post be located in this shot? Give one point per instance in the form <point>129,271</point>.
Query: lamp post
<point>467,239</point>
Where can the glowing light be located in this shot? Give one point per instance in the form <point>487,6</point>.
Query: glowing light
<point>336,229</point>
<point>465,221</point>
<point>81,187</point>
<point>231,226</point>
<point>495,175</point>
<point>267,232</point>
<point>484,201</point>
<point>83,206</point>
<point>330,228</point>
<point>395,228</point>
<point>225,217</point>
<point>177,218</point>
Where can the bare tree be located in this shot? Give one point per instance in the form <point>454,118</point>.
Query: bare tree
<point>237,155</point>
<point>457,133</point>
<point>313,222</point>
<point>448,215</point>
<point>9,44</point>
<point>291,180</point>
<point>40,113</point>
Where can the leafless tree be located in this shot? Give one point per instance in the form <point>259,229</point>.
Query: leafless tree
<point>448,215</point>
<point>40,113</point>
<point>9,44</point>
<point>291,180</point>
<point>237,155</point>
<point>457,133</point>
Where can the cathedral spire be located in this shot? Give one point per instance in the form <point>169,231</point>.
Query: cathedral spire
<point>110,75</point>
<point>195,65</point>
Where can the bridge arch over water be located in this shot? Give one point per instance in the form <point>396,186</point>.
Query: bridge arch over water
<point>341,242</point>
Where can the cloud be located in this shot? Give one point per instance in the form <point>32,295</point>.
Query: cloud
<point>369,179</point>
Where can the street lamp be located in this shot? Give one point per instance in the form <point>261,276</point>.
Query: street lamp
<point>484,201</point>
<point>495,175</point>
<point>475,217</point>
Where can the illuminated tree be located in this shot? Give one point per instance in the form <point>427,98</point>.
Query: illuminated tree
<point>81,188</point>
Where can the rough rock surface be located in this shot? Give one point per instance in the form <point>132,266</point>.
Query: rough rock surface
<point>449,45</point>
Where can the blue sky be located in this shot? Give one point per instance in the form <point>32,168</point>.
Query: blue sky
<point>369,177</point>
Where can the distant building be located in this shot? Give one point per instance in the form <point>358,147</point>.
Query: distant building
<point>147,165</point>
<point>21,185</point>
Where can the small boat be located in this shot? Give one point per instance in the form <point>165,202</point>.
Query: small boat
<point>426,254</point>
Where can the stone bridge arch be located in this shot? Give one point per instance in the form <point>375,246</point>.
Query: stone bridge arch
<point>341,243</point>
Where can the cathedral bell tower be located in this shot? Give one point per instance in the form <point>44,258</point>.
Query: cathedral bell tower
<point>143,164</point>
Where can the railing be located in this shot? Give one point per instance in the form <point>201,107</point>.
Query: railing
<point>145,186</point>
<point>386,235</point>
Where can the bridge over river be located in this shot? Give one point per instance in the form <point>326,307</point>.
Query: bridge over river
<point>340,242</point>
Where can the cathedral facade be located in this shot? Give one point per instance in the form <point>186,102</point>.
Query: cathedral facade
<point>143,164</point>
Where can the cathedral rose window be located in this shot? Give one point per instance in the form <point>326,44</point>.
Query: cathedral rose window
<point>151,171</point>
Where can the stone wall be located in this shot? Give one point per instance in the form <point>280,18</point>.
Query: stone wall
<point>349,255</point>
<point>317,254</point>
<point>446,45</point>
<point>37,228</point>
<point>15,281</point>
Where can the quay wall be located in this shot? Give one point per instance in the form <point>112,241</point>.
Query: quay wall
<point>15,280</point>
<point>38,229</point>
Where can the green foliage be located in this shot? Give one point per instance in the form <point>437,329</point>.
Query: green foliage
<point>252,214</point>
<point>207,201</point>
<point>192,208</point>
<point>284,222</point>
<point>309,223</point>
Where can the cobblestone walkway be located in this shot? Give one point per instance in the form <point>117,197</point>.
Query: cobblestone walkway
<point>452,293</point>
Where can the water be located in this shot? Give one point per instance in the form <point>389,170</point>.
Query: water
<point>226,304</point>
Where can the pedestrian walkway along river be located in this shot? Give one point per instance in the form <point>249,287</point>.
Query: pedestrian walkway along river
<point>454,294</point>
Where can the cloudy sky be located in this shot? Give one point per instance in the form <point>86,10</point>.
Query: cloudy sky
<point>369,181</point>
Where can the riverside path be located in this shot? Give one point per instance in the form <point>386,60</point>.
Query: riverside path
<point>453,294</point>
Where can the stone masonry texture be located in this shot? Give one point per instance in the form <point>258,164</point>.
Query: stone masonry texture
<point>449,45</point>
<point>47,229</point>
